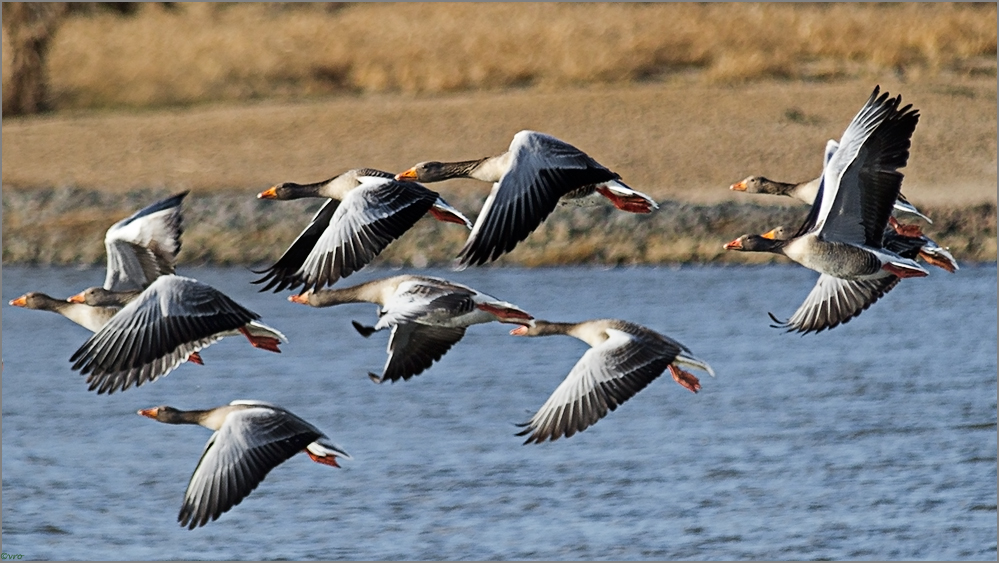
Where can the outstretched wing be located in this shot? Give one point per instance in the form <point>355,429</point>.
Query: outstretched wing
<point>605,376</point>
<point>238,456</point>
<point>144,246</point>
<point>542,170</point>
<point>173,318</point>
<point>414,347</point>
<point>372,215</point>
<point>834,301</point>
<point>862,177</point>
<point>282,274</point>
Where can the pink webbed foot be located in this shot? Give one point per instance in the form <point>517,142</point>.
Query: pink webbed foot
<point>325,460</point>
<point>631,204</point>
<point>912,231</point>
<point>263,342</point>
<point>904,272</point>
<point>686,379</point>
<point>445,216</point>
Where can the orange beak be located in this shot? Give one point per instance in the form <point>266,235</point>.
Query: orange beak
<point>21,301</point>
<point>78,298</point>
<point>739,187</point>
<point>150,413</point>
<point>269,193</point>
<point>771,234</point>
<point>301,299</point>
<point>520,331</point>
<point>734,245</point>
<point>408,175</point>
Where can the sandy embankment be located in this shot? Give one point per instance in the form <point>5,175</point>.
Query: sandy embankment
<point>64,176</point>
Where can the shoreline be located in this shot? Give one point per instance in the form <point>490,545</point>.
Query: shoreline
<point>66,226</point>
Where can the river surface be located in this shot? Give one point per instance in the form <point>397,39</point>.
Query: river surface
<point>876,440</point>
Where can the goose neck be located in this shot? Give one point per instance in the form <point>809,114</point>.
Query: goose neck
<point>773,187</point>
<point>545,328</point>
<point>478,169</point>
<point>370,292</point>
<point>291,190</point>
<point>170,415</point>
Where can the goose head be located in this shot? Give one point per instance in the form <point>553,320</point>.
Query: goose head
<point>100,297</point>
<point>431,171</point>
<point>36,300</point>
<point>770,241</point>
<point>760,185</point>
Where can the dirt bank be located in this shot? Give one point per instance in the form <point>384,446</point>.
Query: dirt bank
<point>67,177</point>
<point>684,142</point>
<point>66,226</point>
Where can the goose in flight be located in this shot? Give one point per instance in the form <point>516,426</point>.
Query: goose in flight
<point>806,191</point>
<point>427,316</point>
<point>623,359</point>
<point>366,210</point>
<point>250,438</point>
<point>90,317</point>
<point>843,236</point>
<point>139,248</point>
<point>528,181</point>
<point>144,246</point>
<point>158,328</point>
<point>834,301</point>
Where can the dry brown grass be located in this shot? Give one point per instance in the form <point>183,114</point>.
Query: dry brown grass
<point>680,99</point>
<point>228,52</point>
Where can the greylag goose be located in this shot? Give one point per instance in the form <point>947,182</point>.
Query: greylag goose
<point>843,236</point>
<point>90,317</point>
<point>250,439</point>
<point>158,328</point>
<point>140,248</point>
<point>529,180</point>
<point>908,241</point>
<point>834,301</point>
<point>367,209</point>
<point>623,358</point>
<point>427,317</point>
<point>144,246</point>
<point>806,192</point>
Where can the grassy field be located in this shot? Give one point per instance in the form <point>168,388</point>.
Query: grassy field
<point>681,100</point>
<point>215,52</point>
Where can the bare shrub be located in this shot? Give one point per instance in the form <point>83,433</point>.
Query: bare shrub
<point>30,28</point>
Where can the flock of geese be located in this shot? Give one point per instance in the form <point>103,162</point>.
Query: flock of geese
<point>147,320</point>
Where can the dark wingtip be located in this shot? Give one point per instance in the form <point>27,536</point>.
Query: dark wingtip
<point>778,322</point>
<point>364,331</point>
<point>527,430</point>
<point>276,281</point>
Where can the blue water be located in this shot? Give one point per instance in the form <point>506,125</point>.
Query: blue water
<point>876,440</point>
